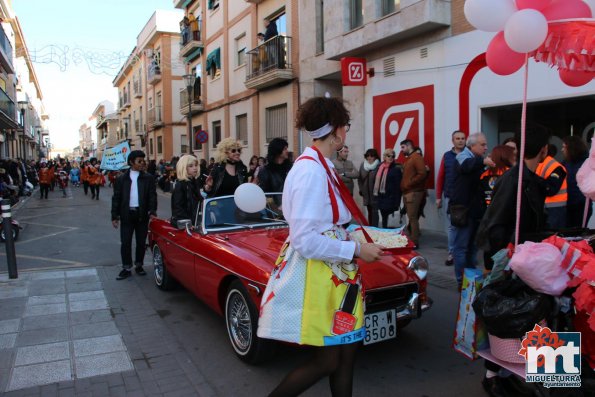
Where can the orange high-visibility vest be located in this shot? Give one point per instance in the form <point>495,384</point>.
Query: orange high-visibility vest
<point>544,170</point>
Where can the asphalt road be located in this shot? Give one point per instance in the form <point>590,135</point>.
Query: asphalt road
<point>76,231</point>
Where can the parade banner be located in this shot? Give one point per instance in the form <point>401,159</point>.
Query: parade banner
<point>114,158</point>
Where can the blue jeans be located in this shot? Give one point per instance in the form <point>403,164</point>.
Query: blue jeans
<point>450,229</point>
<point>464,248</point>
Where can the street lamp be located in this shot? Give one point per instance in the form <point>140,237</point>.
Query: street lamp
<point>23,105</point>
<point>189,79</point>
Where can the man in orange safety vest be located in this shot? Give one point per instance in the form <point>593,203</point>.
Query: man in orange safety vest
<point>554,175</point>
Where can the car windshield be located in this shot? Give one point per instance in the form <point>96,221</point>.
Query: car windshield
<point>222,214</point>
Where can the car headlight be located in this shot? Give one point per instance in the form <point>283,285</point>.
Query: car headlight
<point>420,266</point>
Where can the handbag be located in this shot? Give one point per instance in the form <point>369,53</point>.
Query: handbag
<point>470,335</point>
<point>458,215</point>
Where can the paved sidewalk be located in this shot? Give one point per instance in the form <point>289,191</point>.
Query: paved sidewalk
<point>80,332</point>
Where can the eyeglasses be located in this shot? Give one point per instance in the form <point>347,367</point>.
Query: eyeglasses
<point>347,127</point>
<point>236,151</point>
<point>389,155</point>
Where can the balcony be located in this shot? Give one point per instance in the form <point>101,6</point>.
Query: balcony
<point>154,118</point>
<point>196,106</point>
<point>101,120</point>
<point>191,41</point>
<point>154,74</point>
<point>139,127</point>
<point>137,88</point>
<point>7,111</point>
<point>415,18</point>
<point>6,52</point>
<point>269,63</point>
<point>124,101</point>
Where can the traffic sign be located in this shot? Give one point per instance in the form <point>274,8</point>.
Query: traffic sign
<point>202,136</point>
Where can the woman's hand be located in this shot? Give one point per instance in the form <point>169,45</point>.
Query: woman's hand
<point>370,252</point>
<point>209,183</point>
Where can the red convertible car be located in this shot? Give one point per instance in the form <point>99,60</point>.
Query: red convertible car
<point>227,257</point>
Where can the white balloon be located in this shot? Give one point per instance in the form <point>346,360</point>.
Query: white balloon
<point>591,4</point>
<point>526,30</point>
<point>489,15</point>
<point>249,197</point>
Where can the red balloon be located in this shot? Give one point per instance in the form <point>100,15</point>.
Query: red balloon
<point>574,78</point>
<point>567,9</point>
<point>535,4</point>
<point>501,59</point>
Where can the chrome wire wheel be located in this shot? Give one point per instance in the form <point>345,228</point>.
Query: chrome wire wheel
<point>239,322</point>
<point>158,266</point>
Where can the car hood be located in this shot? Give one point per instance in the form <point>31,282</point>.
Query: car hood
<point>389,270</point>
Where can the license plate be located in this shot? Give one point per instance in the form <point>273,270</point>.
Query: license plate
<point>380,326</point>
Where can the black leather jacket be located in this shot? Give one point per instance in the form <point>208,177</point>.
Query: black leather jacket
<point>271,177</point>
<point>147,197</point>
<point>218,172</point>
<point>185,200</point>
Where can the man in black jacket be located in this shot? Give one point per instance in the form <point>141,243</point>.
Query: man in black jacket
<point>134,202</point>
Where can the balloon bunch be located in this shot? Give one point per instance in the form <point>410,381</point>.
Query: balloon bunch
<point>522,27</point>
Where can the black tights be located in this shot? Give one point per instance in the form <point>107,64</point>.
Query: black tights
<point>336,362</point>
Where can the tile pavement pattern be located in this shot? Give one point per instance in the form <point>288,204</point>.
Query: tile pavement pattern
<point>81,333</point>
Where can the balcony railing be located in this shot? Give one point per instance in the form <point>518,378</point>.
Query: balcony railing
<point>7,105</point>
<point>197,105</point>
<point>191,41</point>
<point>269,63</point>
<point>139,128</point>
<point>124,101</point>
<point>154,117</point>
<point>154,73</point>
<point>6,47</point>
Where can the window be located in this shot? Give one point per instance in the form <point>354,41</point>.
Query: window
<point>242,128</point>
<point>390,6</point>
<point>183,144</point>
<point>159,145</point>
<point>319,26</point>
<point>356,14</point>
<point>197,144</point>
<point>214,63</point>
<point>212,4</point>
<point>151,146</point>
<point>240,47</point>
<point>216,133</point>
<point>276,122</point>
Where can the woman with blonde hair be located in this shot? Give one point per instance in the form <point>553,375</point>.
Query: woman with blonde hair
<point>186,198</point>
<point>229,172</point>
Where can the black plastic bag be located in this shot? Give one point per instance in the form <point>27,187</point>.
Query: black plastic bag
<point>510,308</point>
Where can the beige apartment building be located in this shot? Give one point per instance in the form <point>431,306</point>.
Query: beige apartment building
<point>242,88</point>
<point>148,85</point>
<point>106,124</point>
<point>23,132</point>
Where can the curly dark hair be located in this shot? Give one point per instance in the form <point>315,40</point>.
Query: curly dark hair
<point>372,152</point>
<point>317,111</point>
<point>576,148</point>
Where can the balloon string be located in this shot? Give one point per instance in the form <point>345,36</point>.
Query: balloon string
<point>586,212</point>
<point>522,155</point>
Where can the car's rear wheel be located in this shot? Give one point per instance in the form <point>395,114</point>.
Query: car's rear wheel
<point>15,233</point>
<point>241,319</point>
<point>163,280</point>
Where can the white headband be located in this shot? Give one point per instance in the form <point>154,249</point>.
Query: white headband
<point>322,131</point>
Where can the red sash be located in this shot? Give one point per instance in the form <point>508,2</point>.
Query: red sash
<point>343,192</point>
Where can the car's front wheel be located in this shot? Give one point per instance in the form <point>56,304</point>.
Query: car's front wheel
<point>241,319</point>
<point>163,280</point>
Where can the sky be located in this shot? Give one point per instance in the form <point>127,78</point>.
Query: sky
<point>77,48</point>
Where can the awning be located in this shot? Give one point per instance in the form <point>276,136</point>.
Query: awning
<point>214,58</point>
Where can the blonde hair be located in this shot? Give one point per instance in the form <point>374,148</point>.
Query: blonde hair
<point>388,151</point>
<point>182,166</point>
<point>224,146</point>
